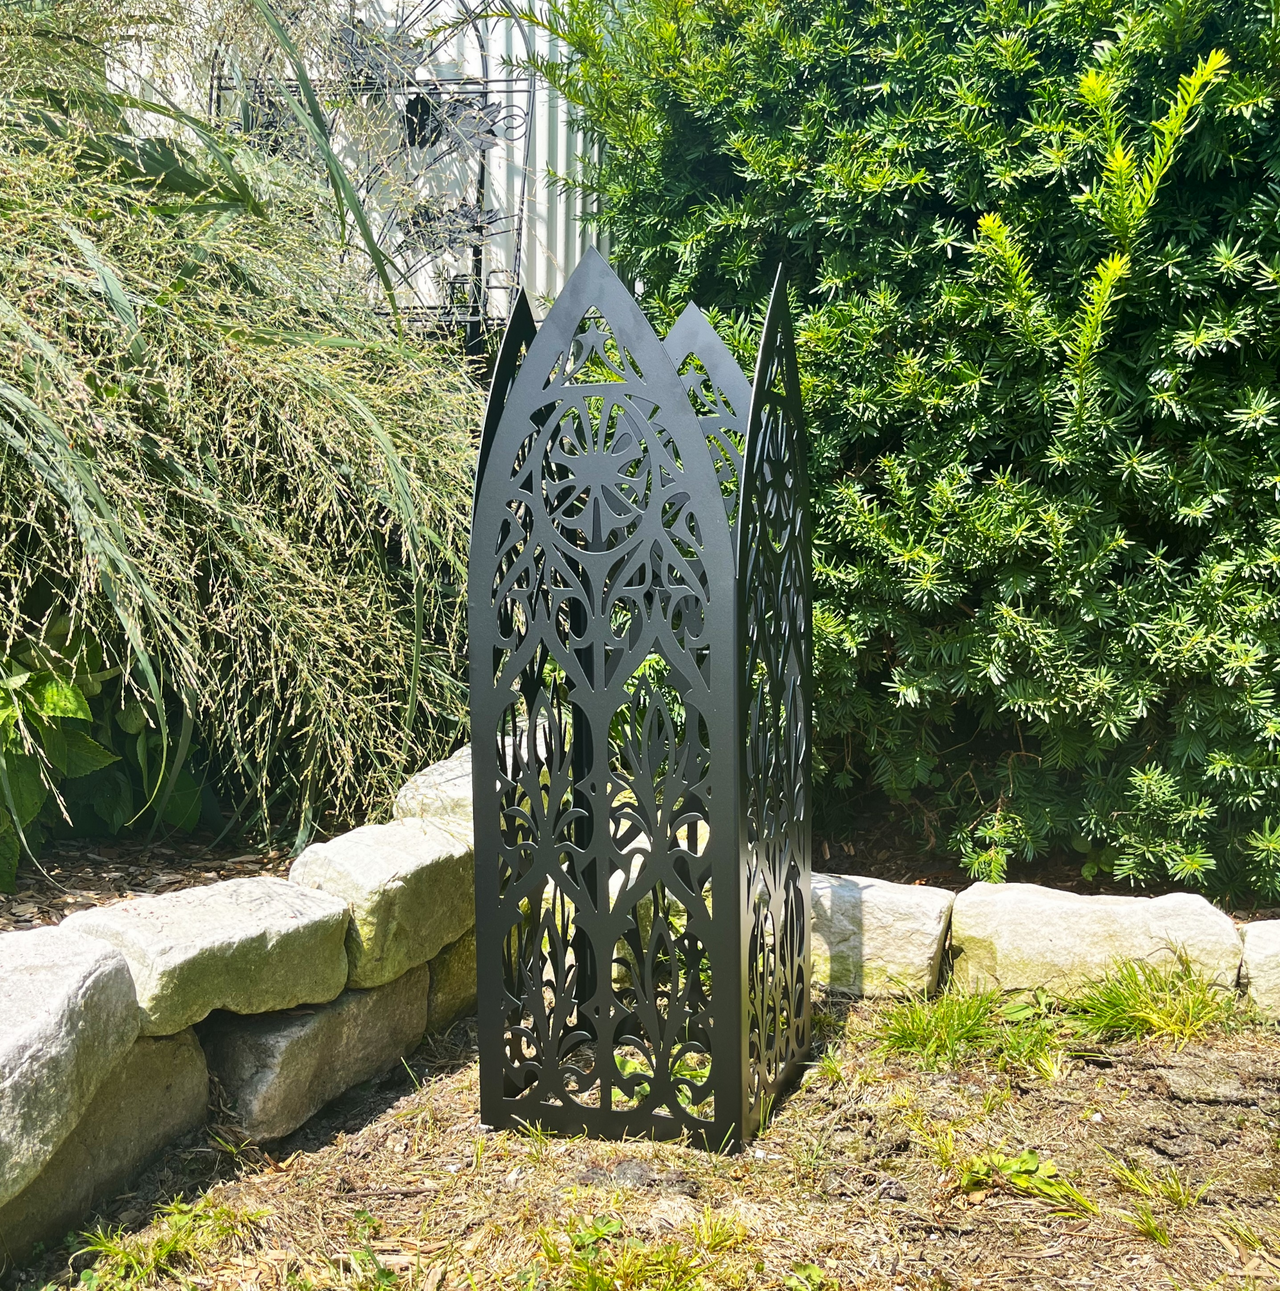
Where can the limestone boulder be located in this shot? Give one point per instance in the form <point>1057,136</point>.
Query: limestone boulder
<point>1019,936</point>
<point>1260,971</point>
<point>871,937</point>
<point>155,1095</point>
<point>248,945</point>
<point>453,983</point>
<point>279,1069</point>
<point>68,1015</point>
<point>440,793</point>
<point>410,887</point>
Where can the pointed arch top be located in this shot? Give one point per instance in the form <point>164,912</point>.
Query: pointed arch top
<point>718,392</point>
<point>594,473</point>
<point>519,334</point>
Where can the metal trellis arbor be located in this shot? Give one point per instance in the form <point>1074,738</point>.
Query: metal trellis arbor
<point>440,140</point>
<point>641,660</point>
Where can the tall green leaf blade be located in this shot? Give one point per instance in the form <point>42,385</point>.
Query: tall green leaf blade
<point>9,854</point>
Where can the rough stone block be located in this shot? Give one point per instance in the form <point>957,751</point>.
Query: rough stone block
<point>280,1069</point>
<point>1018,936</point>
<point>248,945</point>
<point>410,887</point>
<point>1260,971</point>
<point>871,937</point>
<point>440,793</point>
<point>67,1017</point>
<point>155,1095</point>
<point>453,983</point>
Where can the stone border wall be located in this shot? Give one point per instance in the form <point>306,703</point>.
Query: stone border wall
<point>291,992</point>
<point>287,992</point>
<point>878,938</point>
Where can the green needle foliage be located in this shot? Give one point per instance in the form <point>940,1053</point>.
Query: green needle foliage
<point>220,467</point>
<point>1035,249</point>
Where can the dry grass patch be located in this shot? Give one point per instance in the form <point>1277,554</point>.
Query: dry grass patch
<point>875,1173</point>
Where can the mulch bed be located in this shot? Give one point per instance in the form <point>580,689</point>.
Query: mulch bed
<point>80,873</point>
<point>883,846</point>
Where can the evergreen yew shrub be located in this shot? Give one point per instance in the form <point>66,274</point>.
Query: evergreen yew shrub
<point>1036,253</point>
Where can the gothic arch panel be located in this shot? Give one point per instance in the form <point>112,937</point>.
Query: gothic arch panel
<point>603,665</point>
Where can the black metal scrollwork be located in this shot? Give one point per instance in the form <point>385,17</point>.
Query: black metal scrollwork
<point>639,723</point>
<point>775,622</point>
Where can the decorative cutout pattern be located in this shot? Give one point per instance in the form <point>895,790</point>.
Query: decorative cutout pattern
<point>719,393</point>
<point>607,708</point>
<point>774,587</point>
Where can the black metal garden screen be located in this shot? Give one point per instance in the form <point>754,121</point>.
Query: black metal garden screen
<point>640,633</point>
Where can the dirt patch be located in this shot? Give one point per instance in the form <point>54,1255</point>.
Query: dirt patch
<point>860,1181</point>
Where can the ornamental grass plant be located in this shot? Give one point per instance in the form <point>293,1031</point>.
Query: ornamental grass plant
<point>233,497</point>
<point>1036,251</point>
<point>1167,1003</point>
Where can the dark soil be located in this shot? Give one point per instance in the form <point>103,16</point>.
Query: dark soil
<point>883,845</point>
<point>78,873</point>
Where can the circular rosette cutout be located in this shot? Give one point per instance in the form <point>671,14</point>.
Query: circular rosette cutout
<point>597,479</point>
